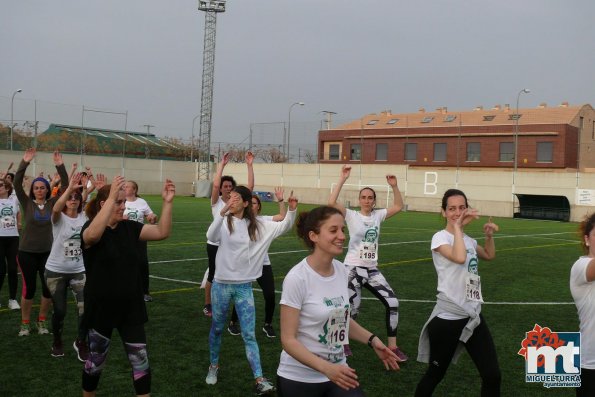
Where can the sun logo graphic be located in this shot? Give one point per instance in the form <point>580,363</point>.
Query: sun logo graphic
<point>552,358</point>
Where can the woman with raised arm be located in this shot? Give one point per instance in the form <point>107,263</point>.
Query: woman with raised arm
<point>36,240</point>
<point>582,287</point>
<point>267,280</point>
<point>456,320</point>
<point>10,222</point>
<point>138,210</point>
<point>315,321</point>
<point>114,290</point>
<point>362,255</point>
<point>64,268</point>
<point>244,241</point>
<point>222,187</point>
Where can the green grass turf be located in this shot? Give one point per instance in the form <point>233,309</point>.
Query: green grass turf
<point>532,265</point>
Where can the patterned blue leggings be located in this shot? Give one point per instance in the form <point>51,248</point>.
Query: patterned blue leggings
<point>243,299</point>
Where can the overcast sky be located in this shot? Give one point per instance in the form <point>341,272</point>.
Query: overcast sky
<point>350,57</point>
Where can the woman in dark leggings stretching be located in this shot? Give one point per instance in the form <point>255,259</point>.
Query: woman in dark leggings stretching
<point>456,321</point>
<point>9,240</point>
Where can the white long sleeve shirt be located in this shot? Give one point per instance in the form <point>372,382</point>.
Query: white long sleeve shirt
<point>239,259</point>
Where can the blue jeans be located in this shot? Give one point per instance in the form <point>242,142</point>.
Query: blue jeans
<point>243,299</point>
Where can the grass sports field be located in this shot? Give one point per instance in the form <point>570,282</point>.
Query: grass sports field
<point>526,284</point>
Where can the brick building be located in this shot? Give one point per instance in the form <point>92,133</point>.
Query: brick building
<point>547,137</point>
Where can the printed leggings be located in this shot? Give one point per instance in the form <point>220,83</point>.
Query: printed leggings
<point>58,284</point>
<point>267,283</point>
<point>9,247</point>
<point>374,281</point>
<point>243,299</point>
<point>135,346</point>
<point>444,339</point>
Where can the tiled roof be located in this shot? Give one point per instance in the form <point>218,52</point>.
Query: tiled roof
<point>498,115</point>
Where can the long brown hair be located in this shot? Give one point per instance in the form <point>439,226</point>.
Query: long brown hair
<point>246,196</point>
<point>94,205</point>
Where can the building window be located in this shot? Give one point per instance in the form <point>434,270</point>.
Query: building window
<point>473,151</point>
<point>450,118</point>
<point>356,151</point>
<point>440,152</point>
<point>382,151</point>
<point>334,152</point>
<point>515,116</point>
<point>410,151</point>
<point>372,122</point>
<point>488,118</point>
<point>545,152</point>
<point>506,151</point>
<point>392,121</point>
<point>427,119</point>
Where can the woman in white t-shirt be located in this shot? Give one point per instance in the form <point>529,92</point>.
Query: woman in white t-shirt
<point>456,320</point>
<point>138,210</point>
<point>315,321</point>
<point>10,221</point>
<point>362,255</point>
<point>65,268</point>
<point>582,287</point>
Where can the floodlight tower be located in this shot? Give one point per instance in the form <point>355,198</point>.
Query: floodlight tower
<point>211,8</point>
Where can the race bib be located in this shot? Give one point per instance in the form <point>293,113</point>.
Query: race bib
<point>72,248</point>
<point>8,222</point>
<point>473,288</point>
<point>368,251</point>
<point>338,326</point>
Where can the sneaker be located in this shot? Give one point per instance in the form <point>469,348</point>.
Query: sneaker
<point>212,375</point>
<point>25,328</point>
<point>42,328</point>
<point>57,349</point>
<point>148,298</point>
<point>13,304</point>
<point>264,387</point>
<point>347,350</point>
<point>207,310</point>
<point>82,351</point>
<point>402,357</point>
<point>269,331</point>
<point>234,328</point>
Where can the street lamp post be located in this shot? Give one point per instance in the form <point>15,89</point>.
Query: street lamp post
<point>192,139</point>
<point>289,125</point>
<point>12,115</point>
<point>516,132</point>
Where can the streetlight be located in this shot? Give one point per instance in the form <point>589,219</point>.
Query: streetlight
<point>516,131</point>
<point>289,125</point>
<point>12,115</point>
<point>329,117</point>
<point>192,139</point>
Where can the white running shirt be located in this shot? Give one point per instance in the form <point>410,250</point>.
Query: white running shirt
<point>583,293</point>
<point>364,235</point>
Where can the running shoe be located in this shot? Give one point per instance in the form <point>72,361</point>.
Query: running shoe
<point>269,331</point>
<point>25,329</point>
<point>212,375</point>
<point>264,387</point>
<point>234,328</point>
<point>13,304</point>
<point>208,310</point>
<point>57,349</point>
<point>402,357</point>
<point>82,351</point>
<point>42,328</point>
<point>148,298</point>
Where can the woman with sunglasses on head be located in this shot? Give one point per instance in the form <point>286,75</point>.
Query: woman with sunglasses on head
<point>243,243</point>
<point>456,320</point>
<point>36,240</point>
<point>10,222</point>
<point>582,287</point>
<point>65,268</point>
<point>362,255</point>
<point>266,281</point>
<point>315,321</point>
<point>114,288</point>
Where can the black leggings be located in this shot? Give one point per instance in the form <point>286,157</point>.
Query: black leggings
<point>211,254</point>
<point>292,388</point>
<point>587,388</point>
<point>267,283</point>
<point>444,339</point>
<point>9,247</point>
<point>32,264</point>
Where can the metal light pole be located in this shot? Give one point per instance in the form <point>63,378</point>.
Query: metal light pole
<point>289,126</point>
<point>516,132</point>
<point>192,139</point>
<point>12,115</point>
<point>329,117</point>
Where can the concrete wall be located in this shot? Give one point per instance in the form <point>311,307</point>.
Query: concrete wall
<point>490,191</point>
